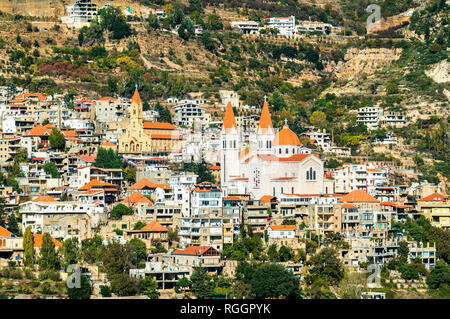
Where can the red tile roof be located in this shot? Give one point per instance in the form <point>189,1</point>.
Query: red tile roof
<point>154,226</point>
<point>96,184</point>
<point>193,250</point>
<point>88,158</point>
<point>283,227</point>
<point>159,126</point>
<point>435,197</point>
<point>267,198</point>
<point>137,198</point>
<point>143,183</point>
<point>44,199</point>
<point>4,232</point>
<point>358,196</point>
<point>349,206</point>
<point>38,241</point>
<point>38,130</point>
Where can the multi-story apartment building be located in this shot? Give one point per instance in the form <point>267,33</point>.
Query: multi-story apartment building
<point>203,231</point>
<point>351,177</point>
<point>393,119</point>
<point>285,25</point>
<point>189,113</point>
<point>426,253</point>
<point>361,216</point>
<point>246,27</point>
<point>206,199</point>
<point>435,208</point>
<point>370,116</point>
<point>60,219</point>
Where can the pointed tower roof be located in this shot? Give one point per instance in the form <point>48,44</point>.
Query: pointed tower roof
<point>136,98</point>
<point>229,121</point>
<point>265,121</point>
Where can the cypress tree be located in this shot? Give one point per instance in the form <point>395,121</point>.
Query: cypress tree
<point>28,247</point>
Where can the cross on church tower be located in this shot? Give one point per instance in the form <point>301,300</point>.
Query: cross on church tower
<point>265,98</point>
<point>285,122</point>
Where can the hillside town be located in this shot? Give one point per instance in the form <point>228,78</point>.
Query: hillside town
<point>152,185</point>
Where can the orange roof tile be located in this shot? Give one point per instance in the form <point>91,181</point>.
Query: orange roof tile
<point>44,199</point>
<point>96,184</point>
<point>154,226</point>
<point>137,197</point>
<point>349,206</point>
<point>274,158</point>
<point>166,136</point>
<point>359,196</point>
<point>4,232</point>
<point>229,121</point>
<point>143,182</point>
<point>107,144</point>
<point>107,98</point>
<point>38,240</point>
<point>267,198</point>
<point>265,121</point>
<point>136,98</point>
<point>283,227</point>
<point>159,126</point>
<point>193,250</point>
<point>88,158</point>
<point>38,130</point>
<point>435,197</point>
<point>374,170</point>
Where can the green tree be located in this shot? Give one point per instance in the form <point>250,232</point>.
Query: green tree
<point>164,113</point>
<point>13,226</point>
<point>201,283</point>
<point>214,22</point>
<point>327,266</point>
<point>48,258</point>
<point>182,284</point>
<point>140,249</point>
<point>129,174</point>
<point>28,247</point>
<point>285,253</point>
<point>84,292</point>
<point>124,285</point>
<point>70,251</point>
<point>107,159</point>
<point>51,169</point>
<point>119,210</point>
<point>112,19</point>
<point>318,119</point>
<point>149,287</point>
<point>269,280</point>
<point>272,253</point>
<point>57,140</point>
<point>186,29</point>
<point>439,276</point>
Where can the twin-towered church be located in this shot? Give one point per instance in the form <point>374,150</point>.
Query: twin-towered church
<point>274,163</point>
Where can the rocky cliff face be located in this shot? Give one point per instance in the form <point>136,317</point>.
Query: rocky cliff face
<point>440,72</point>
<point>365,61</point>
<point>38,8</point>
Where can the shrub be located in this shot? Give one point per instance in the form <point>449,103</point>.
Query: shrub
<point>29,274</point>
<point>47,289</point>
<point>105,291</point>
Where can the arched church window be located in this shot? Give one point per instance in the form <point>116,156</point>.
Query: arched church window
<point>310,174</point>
